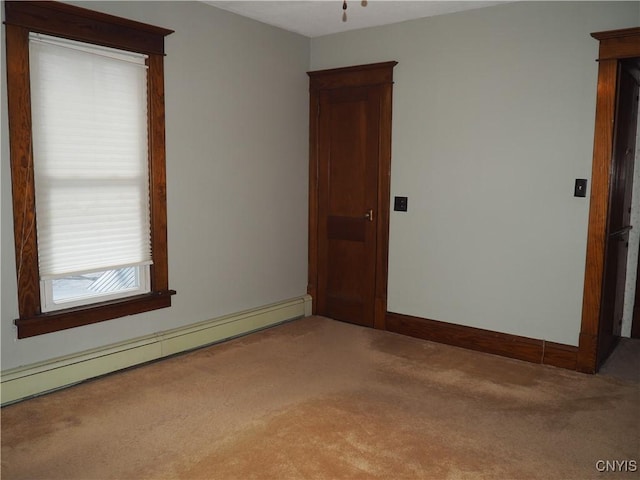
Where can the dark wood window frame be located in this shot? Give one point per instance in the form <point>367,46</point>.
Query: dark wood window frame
<point>83,25</point>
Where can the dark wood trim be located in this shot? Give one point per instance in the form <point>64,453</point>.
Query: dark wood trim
<point>157,174</point>
<point>503,344</point>
<point>355,76</point>
<point>617,44</point>
<point>598,212</point>
<point>76,317</point>
<point>75,23</point>
<point>384,201</point>
<point>78,24</point>
<point>587,352</point>
<point>22,181</point>
<point>487,341</point>
<point>560,355</point>
<point>614,45</point>
<point>616,34</point>
<point>312,271</point>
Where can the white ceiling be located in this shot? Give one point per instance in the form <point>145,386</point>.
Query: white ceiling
<point>313,18</point>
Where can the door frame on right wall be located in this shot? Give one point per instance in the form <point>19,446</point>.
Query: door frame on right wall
<point>615,46</point>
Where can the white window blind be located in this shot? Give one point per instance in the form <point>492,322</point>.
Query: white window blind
<point>89,114</point>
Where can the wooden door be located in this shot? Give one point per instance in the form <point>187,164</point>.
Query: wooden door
<point>619,213</point>
<point>348,200</point>
<point>349,192</point>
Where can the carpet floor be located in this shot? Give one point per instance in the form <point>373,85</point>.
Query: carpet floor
<point>320,399</point>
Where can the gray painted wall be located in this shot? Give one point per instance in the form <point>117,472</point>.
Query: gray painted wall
<point>237,161</point>
<point>493,119</point>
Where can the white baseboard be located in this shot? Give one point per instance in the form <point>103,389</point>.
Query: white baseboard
<point>23,382</point>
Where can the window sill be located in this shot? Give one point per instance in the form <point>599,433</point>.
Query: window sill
<point>85,315</point>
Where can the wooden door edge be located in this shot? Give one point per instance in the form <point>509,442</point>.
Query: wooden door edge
<point>312,273</point>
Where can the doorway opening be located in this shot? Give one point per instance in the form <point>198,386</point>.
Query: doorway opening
<point>630,327</point>
<point>625,355</point>
<point>609,219</point>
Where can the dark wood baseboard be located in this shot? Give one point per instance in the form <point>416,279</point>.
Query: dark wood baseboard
<point>587,353</point>
<point>504,344</point>
<point>560,355</point>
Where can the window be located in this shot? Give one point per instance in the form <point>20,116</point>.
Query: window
<point>89,132</point>
<point>86,124</point>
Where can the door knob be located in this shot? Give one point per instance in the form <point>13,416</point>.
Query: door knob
<point>369,215</point>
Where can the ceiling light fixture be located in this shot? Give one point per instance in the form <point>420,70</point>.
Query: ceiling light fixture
<point>344,8</point>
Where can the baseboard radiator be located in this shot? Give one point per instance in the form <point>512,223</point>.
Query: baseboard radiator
<point>31,380</point>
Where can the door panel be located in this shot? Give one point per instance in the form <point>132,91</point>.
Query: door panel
<point>348,136</point>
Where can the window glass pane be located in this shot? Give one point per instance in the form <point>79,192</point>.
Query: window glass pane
<point>95,284</point>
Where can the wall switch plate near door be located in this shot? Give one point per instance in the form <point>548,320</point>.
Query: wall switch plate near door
<point>580,189</point>
<point>400,204</point>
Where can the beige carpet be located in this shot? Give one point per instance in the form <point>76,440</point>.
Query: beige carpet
<point>319,399</point>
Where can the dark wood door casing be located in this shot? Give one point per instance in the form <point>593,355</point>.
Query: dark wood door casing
<point>331,87</point>
<point>614,46</point>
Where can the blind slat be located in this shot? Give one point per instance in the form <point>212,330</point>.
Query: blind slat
<point>89,110</point>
